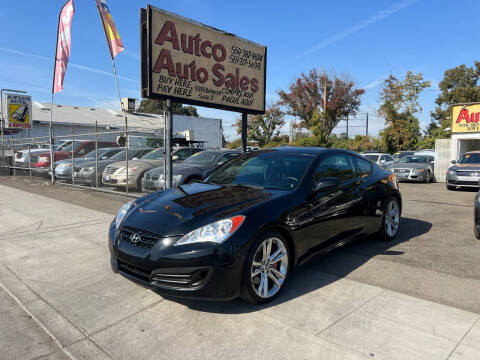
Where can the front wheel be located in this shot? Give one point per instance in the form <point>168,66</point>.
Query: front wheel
<point>266,268</point>
<point>427,177</point>
<point>390,220</point>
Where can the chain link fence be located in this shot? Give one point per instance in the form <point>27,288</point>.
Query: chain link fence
<point>119,161</point>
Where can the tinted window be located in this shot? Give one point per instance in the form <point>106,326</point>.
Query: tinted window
<point>373,158</point>
<point>226,157</point>
<point>337,165</point>
<point>388,158</point>
<point>272,170</point>
<point>183,154</point>
<point>201,158</point>
<point>154,155</point>
<point>363,167</point>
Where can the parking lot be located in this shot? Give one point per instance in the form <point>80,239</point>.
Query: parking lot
<point>414,298</point>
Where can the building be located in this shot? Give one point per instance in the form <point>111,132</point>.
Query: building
<point>465,137</point>
<point>82,120</point>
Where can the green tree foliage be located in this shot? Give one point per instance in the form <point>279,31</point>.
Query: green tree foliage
<point>263,128</point>
<point>150,106</point>
<point>399,104</point>
<point>459,85</point>
<point>305,100</point>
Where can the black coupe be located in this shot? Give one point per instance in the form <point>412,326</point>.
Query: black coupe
<point>247,226</point>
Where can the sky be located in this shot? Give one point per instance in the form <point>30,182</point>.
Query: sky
<point>369,40</point>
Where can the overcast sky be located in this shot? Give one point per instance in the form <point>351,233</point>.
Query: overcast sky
<point>366,39</point>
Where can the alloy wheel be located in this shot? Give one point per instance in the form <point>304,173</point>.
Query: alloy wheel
<point>392,218</point>
<point>269,267</point>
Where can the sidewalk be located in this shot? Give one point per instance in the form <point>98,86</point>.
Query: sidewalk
<point>54,262</point>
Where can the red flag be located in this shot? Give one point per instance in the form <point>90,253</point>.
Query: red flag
<point>63,45</point>
<point>113,38</point>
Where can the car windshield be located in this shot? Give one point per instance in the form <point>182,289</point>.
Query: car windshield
<point>153,155</point>
<point>68,147</point>
<point>270,169</point>
<point>92,155</point>
<point>373,158</point>
<point>417,159</point>
<point>473,158</point>
<point>201,158</point>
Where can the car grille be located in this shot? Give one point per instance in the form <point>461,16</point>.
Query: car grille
<point>147,239</point>
<point>110,170</point>
<point>19,155</point>
<point>192,279</point>
<point>155,177</point>
<point>468,173</point>
<point>401,171</point>
<point>471,183</point>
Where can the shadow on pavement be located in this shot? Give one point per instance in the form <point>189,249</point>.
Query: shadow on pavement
<point>322,270</point>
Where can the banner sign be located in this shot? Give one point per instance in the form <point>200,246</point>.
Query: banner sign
<point>193,63</point>
<point>19,111</point>
<point>465,118</point>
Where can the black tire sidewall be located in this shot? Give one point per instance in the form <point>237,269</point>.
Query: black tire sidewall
<point>247,291</point>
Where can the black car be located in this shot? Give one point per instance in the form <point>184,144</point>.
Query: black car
<point>195,167</point>
<point>244,228</point>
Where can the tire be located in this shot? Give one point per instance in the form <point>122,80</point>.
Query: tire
<point>390,220</point>
<point>275,272</point>
<point>475,231</point>
<point>451,188</point>
<point>427,177</point>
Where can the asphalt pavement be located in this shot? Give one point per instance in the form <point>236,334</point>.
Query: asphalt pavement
<point>414,298</point>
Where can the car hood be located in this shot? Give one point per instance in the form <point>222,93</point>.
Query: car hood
<point>139,163</point>
<point>407,166</point>
<point>175,212</point>
<point>178,169</point>
<point>467,167</point>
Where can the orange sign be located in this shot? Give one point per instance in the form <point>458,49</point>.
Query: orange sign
<point>465,118</point>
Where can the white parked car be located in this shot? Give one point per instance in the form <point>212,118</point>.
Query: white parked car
<point>382,159</point>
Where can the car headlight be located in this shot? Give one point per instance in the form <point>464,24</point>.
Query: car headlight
<point>123,170</point>
<point>89,169</point>
<point>175,178</point>
<point>64,166</point>
<point>451,172</point>
<point>216,232</point>
<point>122,212</point>
<point>418,170</point>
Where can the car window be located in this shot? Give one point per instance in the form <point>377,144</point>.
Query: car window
<point>183,154</point>
<point>153,155</point>
<point>336,165</point>
<point>362,167</point>
<point>389,158</point>
<point>472,158</point>
<point>201,158</point>
<point>373,158</point>
<point>226,157</point>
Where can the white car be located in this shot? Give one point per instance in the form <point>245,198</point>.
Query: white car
<point>382,159</point>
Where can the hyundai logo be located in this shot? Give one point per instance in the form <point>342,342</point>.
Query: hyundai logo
<point>135,238</point>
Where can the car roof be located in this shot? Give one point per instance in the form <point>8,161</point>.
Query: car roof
<point>473,152</point>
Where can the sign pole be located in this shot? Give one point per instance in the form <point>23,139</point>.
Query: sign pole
<point>168,146</point>
<point>244,132</point>
<point>52,160</point>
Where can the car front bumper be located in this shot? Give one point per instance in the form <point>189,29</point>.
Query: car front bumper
<point>206,271</point>
<point>410,176</point>
<point>462,181</point>
<point>120,180</point>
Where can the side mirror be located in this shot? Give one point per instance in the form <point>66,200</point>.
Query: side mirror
<point>220,163</point>
<point>382,161</point>
<point>135,158</point>
<point>432,162</point>
<point>81,152</point>
<point>175,158</point>
<point>104,157</point>
<point>325,184</point>
<point>453,161</point>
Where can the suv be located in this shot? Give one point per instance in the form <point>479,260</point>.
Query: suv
<point>77,149</point>
<point>382,159</point>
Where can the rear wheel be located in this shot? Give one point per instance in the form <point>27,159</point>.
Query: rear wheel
<point>390,220</point>
<point>266,268</point>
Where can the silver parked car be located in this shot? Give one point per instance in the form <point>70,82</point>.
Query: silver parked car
<point>418,168</point>
<point>465,172</point>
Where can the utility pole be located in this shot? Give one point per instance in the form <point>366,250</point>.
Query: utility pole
<point>347,126</point>
<point>366,129</point>
<point>324,104</point>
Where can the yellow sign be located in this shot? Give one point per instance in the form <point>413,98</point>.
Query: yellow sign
<point>19,108</point>
<point>465,118</point>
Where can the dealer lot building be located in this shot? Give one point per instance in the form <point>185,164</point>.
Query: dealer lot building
<point>465,137</point>
<point>82,121</point>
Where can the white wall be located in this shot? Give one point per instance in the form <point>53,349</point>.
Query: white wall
<point>442,161</point>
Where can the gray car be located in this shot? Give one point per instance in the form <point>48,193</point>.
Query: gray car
<point>195,167</point>
<point>414,168</point>
<point>465,172</point>
<point>63,168</point>
<point>116,173</point>
<point>85,172</point>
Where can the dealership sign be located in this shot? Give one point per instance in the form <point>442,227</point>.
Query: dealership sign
<point>19,111</point>
<point>192,63</point>
<point>466,118</point>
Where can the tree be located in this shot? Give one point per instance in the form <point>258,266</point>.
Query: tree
<point>263,128</point>
<point>459,85</point>
<point>399,106</point>
<point>306,96</point>
<point>150,106</point>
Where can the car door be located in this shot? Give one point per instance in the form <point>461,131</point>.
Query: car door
<point>334,213</point>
